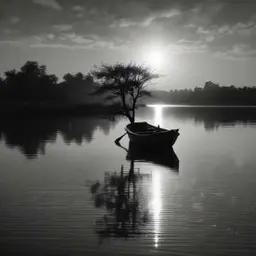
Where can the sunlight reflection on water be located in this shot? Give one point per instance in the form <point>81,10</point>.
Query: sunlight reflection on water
<point>156,205</point>
<point>158,116</point>
<point>156,183</point>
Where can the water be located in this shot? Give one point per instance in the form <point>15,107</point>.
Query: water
<point>204,206</point>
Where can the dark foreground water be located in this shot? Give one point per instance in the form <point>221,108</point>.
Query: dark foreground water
<point>203,205</point>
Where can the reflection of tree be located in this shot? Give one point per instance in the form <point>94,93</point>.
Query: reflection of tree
<point>105,127</point>
<point>29,135</point>
<point>32,135</point>
<point>121,195</point>
<point>78,130</point>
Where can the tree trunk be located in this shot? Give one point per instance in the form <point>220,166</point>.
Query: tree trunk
<point>133,114</point>
<point>127,113</point>
<point>133,110</point>
<point>130,119</point>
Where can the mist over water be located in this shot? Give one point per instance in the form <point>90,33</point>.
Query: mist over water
<point>206,205</point>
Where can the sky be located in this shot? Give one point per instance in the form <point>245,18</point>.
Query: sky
<point>188,42</point>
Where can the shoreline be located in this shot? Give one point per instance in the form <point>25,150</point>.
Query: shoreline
<point>52,110</point>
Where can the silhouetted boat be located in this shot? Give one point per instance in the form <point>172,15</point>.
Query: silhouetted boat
<point>164,156</point>
<point>146,134</point>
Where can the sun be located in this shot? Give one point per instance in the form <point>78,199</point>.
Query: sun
<point>155,58</point>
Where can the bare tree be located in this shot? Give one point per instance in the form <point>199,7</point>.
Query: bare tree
<point>125,82</point>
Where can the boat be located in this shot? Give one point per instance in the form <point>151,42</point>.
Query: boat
<point>163,156</point>
<point>147,134</point>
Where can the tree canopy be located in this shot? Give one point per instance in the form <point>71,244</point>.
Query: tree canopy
<point>126,82</point>
<point>32,84</point>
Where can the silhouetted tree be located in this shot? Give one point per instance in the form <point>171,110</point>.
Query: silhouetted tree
<point>211,86</point>
<point>11,74</point>
<point>78,88</point>
<point>89,78</point>
<point>32,68</point>
<point>213,94</point>
<point>126,82</point>
<point>31,84</point>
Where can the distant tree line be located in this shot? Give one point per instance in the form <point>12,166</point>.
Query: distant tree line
<point>213,94</point>
<point>33,85</point>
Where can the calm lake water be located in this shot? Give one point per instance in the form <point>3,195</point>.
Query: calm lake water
<point>204,205</point>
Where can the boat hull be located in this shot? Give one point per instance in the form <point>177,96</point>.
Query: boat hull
<point>152,138</point>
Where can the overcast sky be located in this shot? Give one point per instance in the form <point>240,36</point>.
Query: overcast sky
<point>196,40</point>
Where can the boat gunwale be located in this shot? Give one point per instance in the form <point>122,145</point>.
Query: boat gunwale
<point>158,133</point>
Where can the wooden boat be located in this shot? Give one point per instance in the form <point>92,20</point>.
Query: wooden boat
<point>144,133</point>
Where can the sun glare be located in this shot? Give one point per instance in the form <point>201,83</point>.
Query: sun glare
<point>155,59</point>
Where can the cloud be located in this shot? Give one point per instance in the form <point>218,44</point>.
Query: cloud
<point>73,41</point>
<point>184,46</point>
<point>122,23</point>
<point>224,36</point>
<point>144,21</point>
<point>15,19</point>
<point>8,31</point>
<point>48,3</point>
<point>89,46</point>
<point>237,52</point>
<point>202,30</point>
<point>58,46</point>
<point>51,36</point>
<point>164,14</point>
<point>77,39</point>
<point>63,27</point>
<point>209,38</point>
<point>225,30</point>
<point>22,41</point>
<point>77,8</point>
<point>236,29</point>
<point>80,15</point>
<point>244,29</point>
<point>9,42</point>
<point>217,25</point>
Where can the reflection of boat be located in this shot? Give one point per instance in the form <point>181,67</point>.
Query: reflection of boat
<point>144,133</point>
<point>164,156</point>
